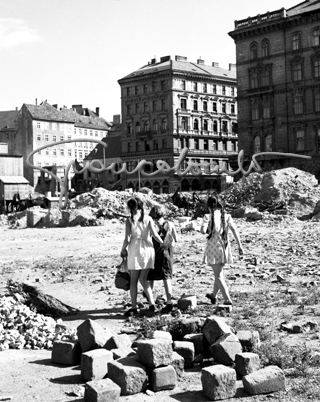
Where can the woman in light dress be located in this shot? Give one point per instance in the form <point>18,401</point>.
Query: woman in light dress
<point>138,248</point>
<point>218,251</point>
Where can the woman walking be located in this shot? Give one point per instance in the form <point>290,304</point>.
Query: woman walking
<point>141,256</point>
<point>163,254</point>
<point>218,251</point>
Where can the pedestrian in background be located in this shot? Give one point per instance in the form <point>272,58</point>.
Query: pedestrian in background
<point>218,251</point>
<point>138,248</point>
<point>163,254</point>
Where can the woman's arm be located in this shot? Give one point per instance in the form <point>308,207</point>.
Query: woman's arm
<point>204,225</point>
<point>126,241</point>
<point>236,235</point>
<point>153,231</point>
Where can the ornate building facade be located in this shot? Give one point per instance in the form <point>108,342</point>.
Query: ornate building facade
<point>172,104</point>
<point>278,73</point>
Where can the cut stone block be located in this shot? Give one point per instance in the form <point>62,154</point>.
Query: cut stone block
<point>247,363</point>
<point>102,391</point>
<point>197,340</point>
<point>250,340</point>
<point>92,336</point>
<point>177,363</point>
<point>129,374</point>
<point>219,382</point>
<point>118,341</point>
<point>225,349</point>
<point>190,326</point>
<point>186,302</point>
<point>94,364</point>
<point>264,381</point>
<point>122,352</point>
<point>214,328</point>
<point>186,350</point>
<point>163,378</point>
<point>162,335</point>
<point>155,352</point>
<point>66,352</point>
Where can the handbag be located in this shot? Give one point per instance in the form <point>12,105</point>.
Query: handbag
<point>122,278</point>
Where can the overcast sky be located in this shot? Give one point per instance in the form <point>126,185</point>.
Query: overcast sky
<point>74,51</point>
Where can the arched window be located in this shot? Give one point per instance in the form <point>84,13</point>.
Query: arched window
<point>255,111</point>
<point>215,126</point>
<point>205,125</point>
<point>253,50</point>
<point>196,124</point>
<point>137,127</point>
<point>156,187</point>
<point>164,124</point>
<point>268,143</point>
<point>185,186</point>
<point>155,125</point>
<point>146,125</point>
<point>165,187</point>
<point>129,128</point>
<point>265,46</point>
<point>256,144</point>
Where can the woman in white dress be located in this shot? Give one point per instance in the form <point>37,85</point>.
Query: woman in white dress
<point>218,251</point>
<point>141,256</point>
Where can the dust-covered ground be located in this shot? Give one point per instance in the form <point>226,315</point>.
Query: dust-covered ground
<point>275,283</point>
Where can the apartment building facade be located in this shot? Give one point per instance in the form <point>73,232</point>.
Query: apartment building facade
<point>173,104</point>
<point>40,125</point>
<point>278,72</point>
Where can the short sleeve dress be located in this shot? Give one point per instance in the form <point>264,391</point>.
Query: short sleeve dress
<point>141,253</point>
<point>216,252</point>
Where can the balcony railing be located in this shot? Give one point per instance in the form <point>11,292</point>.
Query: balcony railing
<point>261,18</point>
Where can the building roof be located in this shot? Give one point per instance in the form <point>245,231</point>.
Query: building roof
<point>182,66</point>
<point>304,7</point>
<point>90,119</point>
<point>113,149</point>
<point>14,180</point>
<point>7,119</point>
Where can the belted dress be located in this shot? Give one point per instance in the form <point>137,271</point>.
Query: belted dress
<point>141,254</point>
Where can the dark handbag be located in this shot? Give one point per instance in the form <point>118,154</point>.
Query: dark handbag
<point>122,279</point>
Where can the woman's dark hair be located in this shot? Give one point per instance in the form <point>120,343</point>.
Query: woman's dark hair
<point>212,203</point>
<point>134,204</point>
<point>156,212</point>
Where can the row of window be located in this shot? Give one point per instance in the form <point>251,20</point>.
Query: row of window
<point>299,103</point>
<point>260,77</point>
<point>297,39</point>
<point>261,110</point>
<point>225,108</point>
<point>56,152</point>
<point>145,125</point>
<point>194,86</point>
<point>207,125</point>
<point>48,125</point>
<point>61,127</point>
<point>55,138</point>
<point>144,107</point>
<point>297,68</point>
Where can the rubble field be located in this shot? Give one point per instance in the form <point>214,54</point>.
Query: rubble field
<point>274,286</point>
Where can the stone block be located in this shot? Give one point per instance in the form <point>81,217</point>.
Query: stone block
<point>162,335</point>
<point>225,349</point>
<point>129,374</point>
<point>92,336</point>
<point>250,340</point>
<point>264,381</point>
<point>186,302</point>
<point>102,391</point>
<point>118,341</point>
<point>214,328</point>
<point>177,363</point>
<point>163,378</point>
<point>186,350</point>
<point>122,352</point>
<point>197,340</point>
<point>190,325</point>
<point>155,352</point>
<point>94,364</point>
<point>246,363</point>
<point>66,352</point>
<point>219,382</point>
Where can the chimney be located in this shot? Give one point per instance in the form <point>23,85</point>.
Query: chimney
<point>215,64</point>
<point>78,108</point>
<point>153,61</point>
<point>232,67</point>
<point>165,58</point>
<point>36,101</point>
<point>200,61</point>
<point>181,58</point>
<point>56,106</point>
<point>116,119</point>
<point>98,111</point>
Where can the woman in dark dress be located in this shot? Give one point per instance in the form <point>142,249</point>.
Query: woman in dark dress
<point>163,254</point>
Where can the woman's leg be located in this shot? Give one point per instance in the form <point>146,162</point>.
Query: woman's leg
<point>168,289</point>
<point>143,278</point>
<point>219,282</point>
<point>134,276</point>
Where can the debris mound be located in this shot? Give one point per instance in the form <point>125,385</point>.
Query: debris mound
<point>243,192</point>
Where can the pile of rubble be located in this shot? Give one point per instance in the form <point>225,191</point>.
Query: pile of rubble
<point>23,328</point>
<point>113,365</point>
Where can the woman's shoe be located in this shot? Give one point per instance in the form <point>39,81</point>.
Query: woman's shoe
<point>131,311</point>
<point>167,309</point>
<point>153,309</point>
<point>211,298</point>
